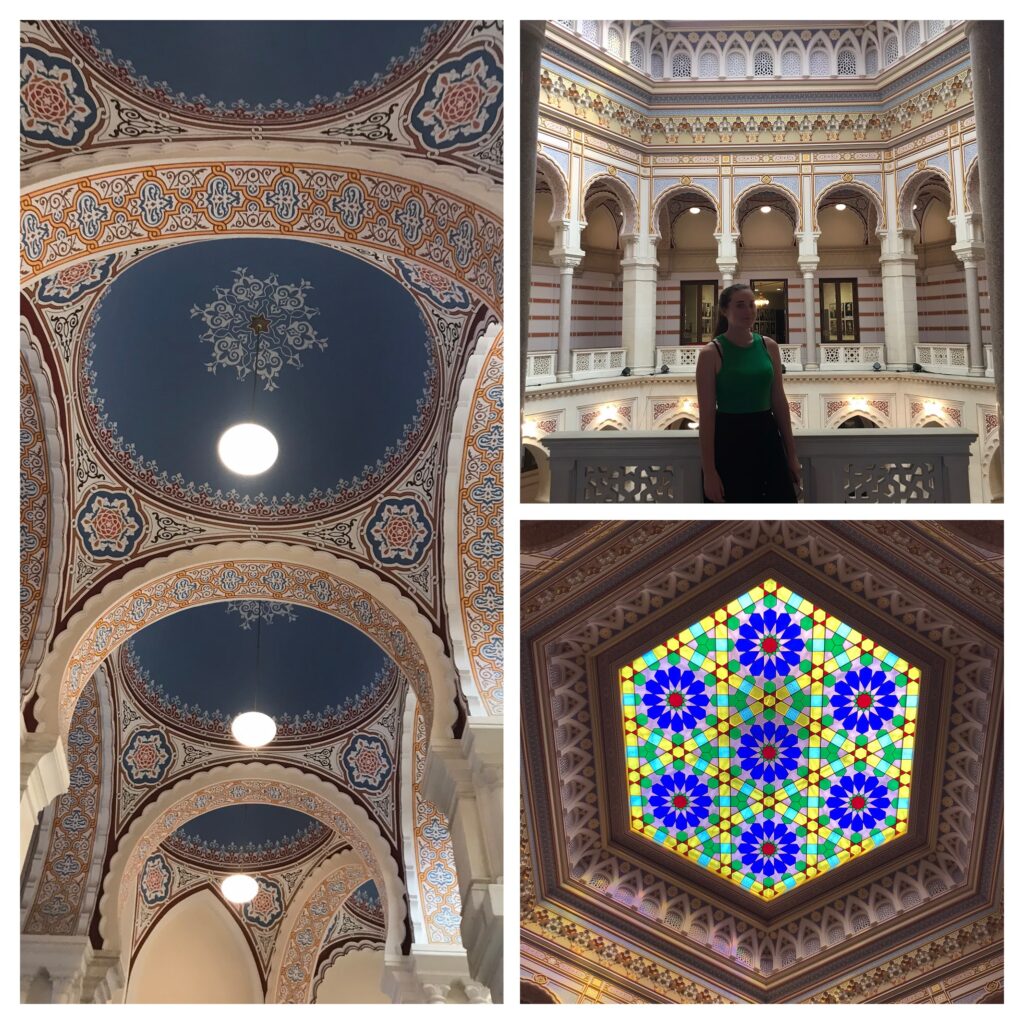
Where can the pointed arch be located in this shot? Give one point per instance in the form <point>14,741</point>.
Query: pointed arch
<point>665,197</point>
<point>195,576</point>
<point>852,186</point>
<point>907,193</point>
<point>622,192</point>
<point>555,177</point>
<point>253,783</point>
<point>781,190</point>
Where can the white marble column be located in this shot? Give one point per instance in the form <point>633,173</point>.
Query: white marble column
<point>807,268</point>
<point>899,298</point>
<point>464,780</point>
<point>976,348</point>
<point>62,957</point>
<point>639,309</point>
<point>567,262</point>
<point>727,260</point>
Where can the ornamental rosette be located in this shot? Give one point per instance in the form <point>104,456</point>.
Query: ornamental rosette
<point>769,741</point>
<point>399,532</point>
<point>367,763</point>
<point>459,103</point>
<point>146,757</point>
<point>55,105</point>
<point>109,524</point>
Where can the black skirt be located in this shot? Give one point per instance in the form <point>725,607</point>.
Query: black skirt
<point>751,458</point>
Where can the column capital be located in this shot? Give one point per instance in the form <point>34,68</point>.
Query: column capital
<point>44,777</point>
<point>969,253</point>
<point>431,974</point>
<point>808,266</point>
<point>567,258</point>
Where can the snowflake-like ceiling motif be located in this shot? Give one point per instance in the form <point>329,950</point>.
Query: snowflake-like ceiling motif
<point>769,742</point>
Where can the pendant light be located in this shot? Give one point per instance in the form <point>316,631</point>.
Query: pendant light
<point>249,448</point>
<point>254,728</point>
<point>239,888</point>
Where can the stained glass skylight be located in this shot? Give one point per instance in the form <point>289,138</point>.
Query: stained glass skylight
<point>769,742</point>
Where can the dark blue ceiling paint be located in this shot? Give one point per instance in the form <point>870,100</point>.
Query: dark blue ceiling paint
<point>337,414</point>
<point>204,657</point>
<point>259,61</point>
<point>259,824</point>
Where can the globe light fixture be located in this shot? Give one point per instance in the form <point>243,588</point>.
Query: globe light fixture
<point>840,206</point>
<point>766,209</point>
<point>253,729</point>
<point>239,888</point>
<point>914,207</point>
<point>694,209</point>
<point>247,449</point>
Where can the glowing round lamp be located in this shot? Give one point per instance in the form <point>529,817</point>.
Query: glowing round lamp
<point>247,449</point>
<point>766,209</point>
<point>253,729</point>
<point>694,209</point>
<point>840,206</point>
<point>239,888</point>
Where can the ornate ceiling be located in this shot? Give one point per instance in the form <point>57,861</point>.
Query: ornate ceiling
<point>651,910</point>
<point>323,256</point>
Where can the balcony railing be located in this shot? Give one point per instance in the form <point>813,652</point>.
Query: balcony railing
<point>540,367</point>
<point>859,357</point>
<point>842,466</point>
<point>597,362</point>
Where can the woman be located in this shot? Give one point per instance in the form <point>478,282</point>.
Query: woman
<point>746,437</point>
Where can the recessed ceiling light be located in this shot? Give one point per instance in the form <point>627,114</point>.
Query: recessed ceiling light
<point>840,206</point>
<point>253,729</point>
<point>914,207</point>
<point>694,209</point>
<point>247,449</point>
<point>239,888</point>
<point>766,209</point>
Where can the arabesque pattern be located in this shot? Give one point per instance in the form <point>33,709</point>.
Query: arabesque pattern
<point>454,241</point>
<point>769,742</point>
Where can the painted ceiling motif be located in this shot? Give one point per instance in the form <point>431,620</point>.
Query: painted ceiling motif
<point>769,741</point>
<point>437,96</point>
<point>351,302</point>
<point>823,663</point>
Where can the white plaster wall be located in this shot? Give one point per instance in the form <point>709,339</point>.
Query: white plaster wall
<point>354,978</point>
<point>196,953</point>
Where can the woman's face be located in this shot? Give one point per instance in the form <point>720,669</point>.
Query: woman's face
<point>741,311</point>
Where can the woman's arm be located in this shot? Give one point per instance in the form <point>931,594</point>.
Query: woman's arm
<point>780,406</point>
<point>707,367</point>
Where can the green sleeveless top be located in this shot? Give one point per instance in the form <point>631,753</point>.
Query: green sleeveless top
<point>744,383</point>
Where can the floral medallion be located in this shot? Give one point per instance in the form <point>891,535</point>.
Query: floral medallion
<point>769,742</point>
<point>109,524</point>
<point>259,324</point>
<point>72,282</point>
<point>459,103</point>
<point>155,880</point>
<point>146,757</point>
<point>265,908</point>
<point>367,763</point>
<point>399,531</point>
<point>55,106</point>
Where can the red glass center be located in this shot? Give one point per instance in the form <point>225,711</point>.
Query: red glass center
<point>769,645</point>
<point>864,700</point>
<point>767,849</point>
<point>858,803</point>
<point>680,801</point>
<point>768,753</point>
<point>675,700</point>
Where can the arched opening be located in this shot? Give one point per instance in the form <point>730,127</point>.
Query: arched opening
<point>767,219</point>
<point>856,422</point>
<point>848,298</point>
<point>354,977</point>
<point>531,993</point>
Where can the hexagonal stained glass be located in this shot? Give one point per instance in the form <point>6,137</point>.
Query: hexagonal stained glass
<point>769,742</point>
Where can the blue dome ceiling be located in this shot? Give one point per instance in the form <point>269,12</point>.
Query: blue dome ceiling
<point>345,364</point>
<point>308,661</point>
<point>231,60</point>
<point>258,824</point>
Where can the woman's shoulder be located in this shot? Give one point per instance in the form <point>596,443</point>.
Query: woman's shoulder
<point>770,343</point>
<point>711,348</point>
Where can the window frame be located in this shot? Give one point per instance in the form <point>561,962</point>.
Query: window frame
<point>836,282</point>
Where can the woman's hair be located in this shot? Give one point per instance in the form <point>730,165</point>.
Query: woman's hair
<point>724,298</point>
